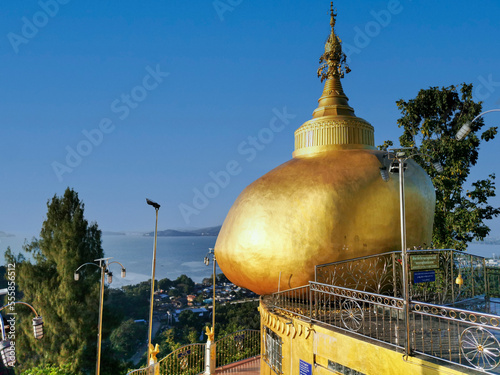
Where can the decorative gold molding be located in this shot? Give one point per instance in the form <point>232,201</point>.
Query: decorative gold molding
<point>333,132</point>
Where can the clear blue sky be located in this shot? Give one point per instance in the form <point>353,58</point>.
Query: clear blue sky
<point>79,66</point>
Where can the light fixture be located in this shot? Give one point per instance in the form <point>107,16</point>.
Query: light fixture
<point>459,281</point>
<point>110,277</point>
<point>38,327</point>
<point>464,130</point>
<point>8,353</point>
<point>124,273</point>
<point>154,204</point>
<point>437,166</point>
<point>77,276</point>
<point>384,173</point>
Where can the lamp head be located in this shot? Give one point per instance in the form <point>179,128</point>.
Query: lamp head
<point>76,276</point>
<point>124,273</point>
<point>438,167</point>
<point>459,280</point>
<point>464,130</point>
<point>38,327</point>
<point>154,204</point>
<point>8,353</point>
<point>110,277</point>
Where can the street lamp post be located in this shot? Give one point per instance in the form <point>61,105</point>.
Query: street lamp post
<point>210,348</point>
<point>207,262</point>
<point>400,156</point>
<point>104,264</point>
<point>150,346</point>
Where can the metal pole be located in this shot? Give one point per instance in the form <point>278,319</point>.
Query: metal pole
<point>404,254</point>
<point>213,308</point>
<point>152,290</point>
<point>99,335</point>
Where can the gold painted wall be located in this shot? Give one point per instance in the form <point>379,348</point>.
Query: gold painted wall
<point>316,345</point>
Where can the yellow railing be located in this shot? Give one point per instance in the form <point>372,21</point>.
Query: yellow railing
<point>190,359</point>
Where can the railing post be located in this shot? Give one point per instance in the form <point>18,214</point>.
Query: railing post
<point>486,280</point>
<point>394,282</point>
<point>310,302</point>
<point>472,275</point>
<point>210,353</point>
<point>452,279</point>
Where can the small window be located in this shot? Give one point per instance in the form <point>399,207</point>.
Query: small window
<point>272,353</point>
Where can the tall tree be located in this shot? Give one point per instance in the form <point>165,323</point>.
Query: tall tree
<point>45,277</point>
<point>430,122</point>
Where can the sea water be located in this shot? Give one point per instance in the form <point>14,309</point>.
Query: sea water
<point>174,256</point>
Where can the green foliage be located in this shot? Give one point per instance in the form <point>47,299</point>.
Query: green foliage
<point>132,301</point>
<point>50,370</point>
<point>165,284</point>
<point>69,308</point>
<point>230,318</point>
<point>386,145</point>
<point>184,284</point>
<point>127,337</point>
<point>430,122</point>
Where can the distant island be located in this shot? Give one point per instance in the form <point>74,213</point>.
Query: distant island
<point>210,231</point>
<point>4,234</point>
<point>488,241</point>
<point>108,233</point>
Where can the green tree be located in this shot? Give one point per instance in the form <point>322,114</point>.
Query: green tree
<point>165,284</point>
<point>69,308</point>
<point>49,370</point>
<point>230,318</point>
<point>127,337</point>
<point>430,122</point>
<point>185,284</point>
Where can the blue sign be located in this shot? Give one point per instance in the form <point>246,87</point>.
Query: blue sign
<point>424,276</point>
<point>304,368</point>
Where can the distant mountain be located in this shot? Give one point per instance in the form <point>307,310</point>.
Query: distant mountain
<point>3,234</point>
<point>488,241</point>
<point>108,233</point>
<point>210,231</point>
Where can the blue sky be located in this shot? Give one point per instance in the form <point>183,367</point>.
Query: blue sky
<point>123,100</point>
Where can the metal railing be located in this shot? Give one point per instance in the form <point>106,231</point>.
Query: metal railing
<point>382,274</point>
<point>237,346</point>
<point>493,281</point>
<point>190,359</point>
<point>187,360</point>
<point>459,336</point>
<point>362,313</point>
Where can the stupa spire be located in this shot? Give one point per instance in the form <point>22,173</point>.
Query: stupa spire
<point>333,61</point>
<point>334,125</point>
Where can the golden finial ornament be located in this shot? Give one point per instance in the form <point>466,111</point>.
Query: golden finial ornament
<point>210,333</point>
<point>333,61</point>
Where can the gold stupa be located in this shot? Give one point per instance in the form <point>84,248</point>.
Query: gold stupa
<point>328,203</point>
